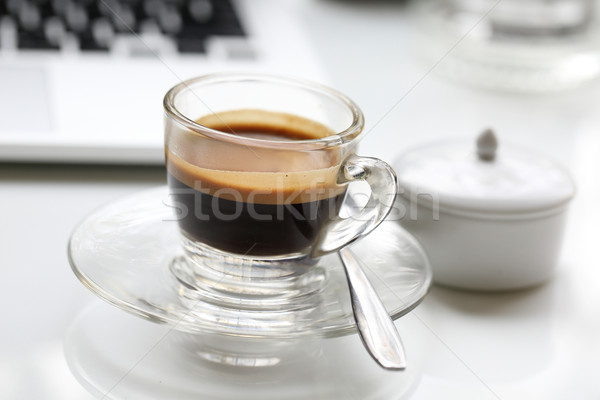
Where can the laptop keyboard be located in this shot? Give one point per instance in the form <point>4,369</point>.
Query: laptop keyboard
<point>96,25</point>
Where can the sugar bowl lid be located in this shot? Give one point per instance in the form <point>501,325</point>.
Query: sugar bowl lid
<point>483,178</point>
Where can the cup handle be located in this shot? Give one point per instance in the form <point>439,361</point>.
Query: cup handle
<point>382,180</point>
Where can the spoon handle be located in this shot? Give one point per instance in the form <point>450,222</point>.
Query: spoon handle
<point>375,327</point>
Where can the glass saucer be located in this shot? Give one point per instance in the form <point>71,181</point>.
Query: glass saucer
<point>116,356</point>
<point>125,252</point>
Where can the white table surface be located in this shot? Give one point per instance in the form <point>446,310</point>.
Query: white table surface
<point>541,343</point>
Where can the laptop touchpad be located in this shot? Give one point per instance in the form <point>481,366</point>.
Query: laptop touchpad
<point>24,100</point>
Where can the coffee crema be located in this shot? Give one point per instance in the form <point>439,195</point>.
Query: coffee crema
<point>253,200</point>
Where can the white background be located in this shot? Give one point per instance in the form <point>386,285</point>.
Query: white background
<point>541,343</point>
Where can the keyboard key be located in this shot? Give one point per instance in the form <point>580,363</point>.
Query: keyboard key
<point>12,6</point>
<point>152,8</point>
<point>201,10</point>
<point>108,8</point>
<point>124,19</point>
<point>170,20</point>
<point>76,17</point>
<point>54,31</point>
<point>103,33</point>
<point>29,17</point>
<point>59,6</point>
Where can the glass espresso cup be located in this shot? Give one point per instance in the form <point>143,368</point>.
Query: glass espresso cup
<point>258,168</point>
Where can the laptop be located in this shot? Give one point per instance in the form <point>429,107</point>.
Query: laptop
<point>82,81</point>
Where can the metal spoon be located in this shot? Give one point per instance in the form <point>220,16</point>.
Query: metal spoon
<point>375,327</point>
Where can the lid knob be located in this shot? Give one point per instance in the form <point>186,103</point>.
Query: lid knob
<point>487,144</point>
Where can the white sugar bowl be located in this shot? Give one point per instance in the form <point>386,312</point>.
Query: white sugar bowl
<point>489,220</point>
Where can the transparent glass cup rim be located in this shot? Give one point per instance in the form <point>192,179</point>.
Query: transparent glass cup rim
<point>353,132</point>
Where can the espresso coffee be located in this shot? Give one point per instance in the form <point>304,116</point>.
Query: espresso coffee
<point>252,200</point>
